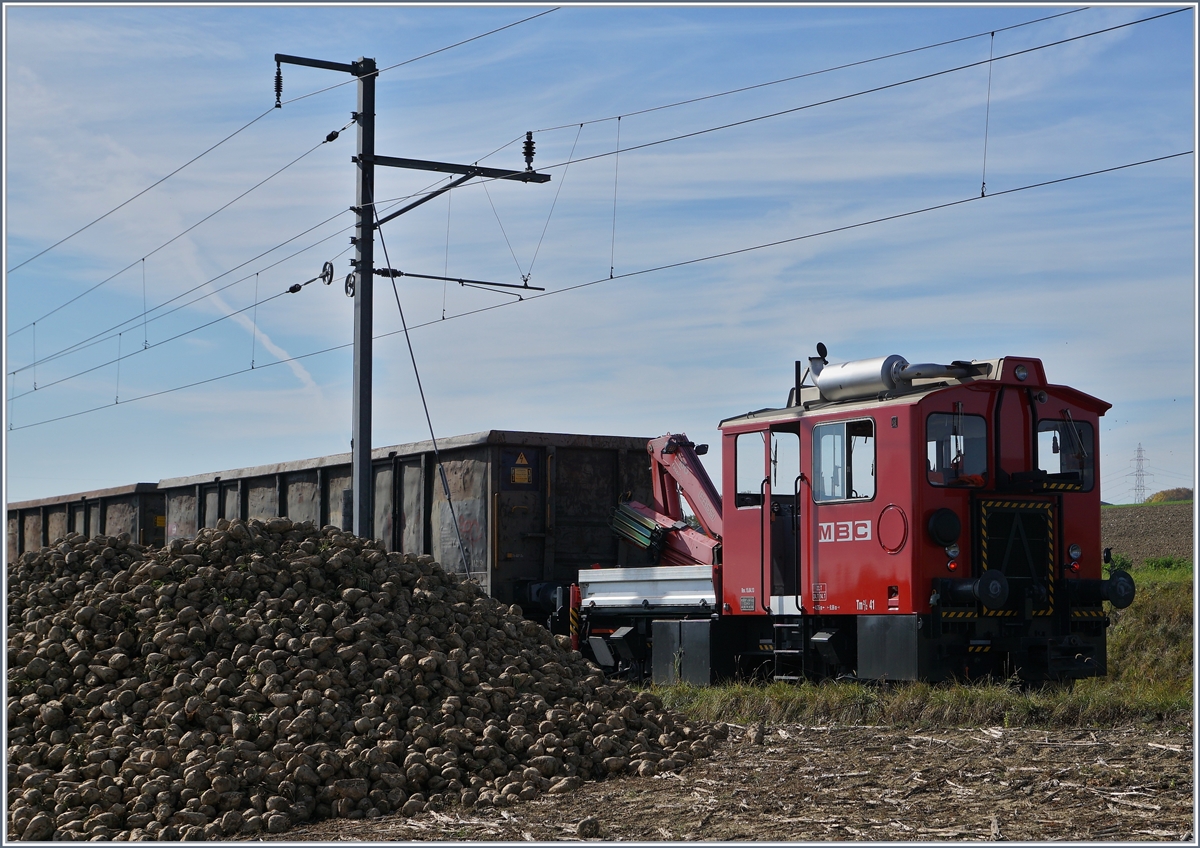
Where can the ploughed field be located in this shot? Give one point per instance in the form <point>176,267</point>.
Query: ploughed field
<point>1149,531</point>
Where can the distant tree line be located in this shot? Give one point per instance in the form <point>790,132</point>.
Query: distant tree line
<point>1166,495</point>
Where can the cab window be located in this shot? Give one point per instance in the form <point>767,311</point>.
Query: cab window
<point>750,464</point>
<point>956,449</point>
<point>1065,447</point>
<point>844,461</point>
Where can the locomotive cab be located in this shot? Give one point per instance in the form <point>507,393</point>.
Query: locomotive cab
<point>892,521</point>
<point>920,522</point>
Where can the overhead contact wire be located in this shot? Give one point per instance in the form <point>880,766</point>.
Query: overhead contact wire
<point>153,346</point>
<point>176,237</point>
<point>853,94</point>
<point>82,344</point>
<point>812,73</point>
<point>641,272</point>
<point>255,121</point>
<point>143,191</point>
<point>260,117</point>
<point>101,337</point>
<point>840,98</point>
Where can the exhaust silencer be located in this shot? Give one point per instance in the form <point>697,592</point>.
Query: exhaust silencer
<point>864,378</point>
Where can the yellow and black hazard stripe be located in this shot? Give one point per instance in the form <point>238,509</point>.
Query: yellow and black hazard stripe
<point>1062,487</point>
<point>1027,506</point>
<point>978,649</point>
<point>1087,613</point>
<point>953,614</point>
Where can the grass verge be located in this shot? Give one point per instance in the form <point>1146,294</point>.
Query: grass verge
<point>1150,662</point>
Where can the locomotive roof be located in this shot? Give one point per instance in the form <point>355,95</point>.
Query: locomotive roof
<point>985,370</point>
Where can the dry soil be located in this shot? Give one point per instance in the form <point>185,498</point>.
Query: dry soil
<point>1138,532</point>
<point>858,784</point>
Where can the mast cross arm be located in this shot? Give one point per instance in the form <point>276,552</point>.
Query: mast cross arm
<point>472,170</point>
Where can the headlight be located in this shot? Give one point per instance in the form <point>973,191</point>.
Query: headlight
<point>1074,552</point>
<point>1021,372</point>
<point>952,551</point>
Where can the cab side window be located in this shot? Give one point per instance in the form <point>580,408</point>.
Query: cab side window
<point>844,461</point>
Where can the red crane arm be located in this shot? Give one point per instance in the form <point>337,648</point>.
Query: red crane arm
<point>674,457</point>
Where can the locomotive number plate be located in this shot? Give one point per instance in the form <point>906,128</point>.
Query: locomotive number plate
<point>818,592</point>
<point>746,603</point>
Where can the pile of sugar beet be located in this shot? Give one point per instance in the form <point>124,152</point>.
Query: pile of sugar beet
<point>266,674</point>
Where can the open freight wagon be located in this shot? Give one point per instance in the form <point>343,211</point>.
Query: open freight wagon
<point>533,508</point>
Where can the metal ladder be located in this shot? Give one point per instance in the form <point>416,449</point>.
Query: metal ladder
<point>789,652</point>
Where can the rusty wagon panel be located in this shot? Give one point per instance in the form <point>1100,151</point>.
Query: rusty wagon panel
<point>137,509</point>
<point>531,508</point>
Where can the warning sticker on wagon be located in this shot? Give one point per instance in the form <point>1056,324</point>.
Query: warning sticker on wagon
<point>818,592</point>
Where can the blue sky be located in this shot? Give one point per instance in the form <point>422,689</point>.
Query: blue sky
<point>1095,276</point>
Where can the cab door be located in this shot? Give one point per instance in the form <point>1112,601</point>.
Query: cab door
<point>837,537</point>
<point>783,489</point>
<point>746,586</point>
<point>760,542</point>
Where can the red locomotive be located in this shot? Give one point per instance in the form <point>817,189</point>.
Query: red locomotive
<point>891,521</point>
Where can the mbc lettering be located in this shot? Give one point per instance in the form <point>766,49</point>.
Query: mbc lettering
<point>845,531</point>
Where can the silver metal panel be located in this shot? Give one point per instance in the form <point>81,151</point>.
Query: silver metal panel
<point>667,647</point>
<point>889,647</point>
<point>338,483</point>
<point>56,521</point>
<point>467,478</point>
<point>412,507</point>
<point>786,605</point>
<point>212,498</point>
<point>262,500</point>
<point>382,505</point>
<point>12,533</point>
<point>664,585</point>
<point>181,515</point>
<point>682,652</point>
<point>33,530</point>
<point>120,516</point>
<point>303,496</point>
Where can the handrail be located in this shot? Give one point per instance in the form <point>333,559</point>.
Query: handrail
<point>763,517</point>
<point>796,533</point>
